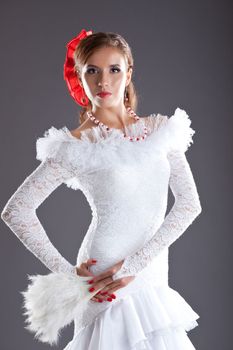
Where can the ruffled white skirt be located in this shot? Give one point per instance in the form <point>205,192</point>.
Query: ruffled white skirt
<point>152,318</point>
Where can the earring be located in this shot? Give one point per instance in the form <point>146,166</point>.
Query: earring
<point>126,95</point>
<point>84,97</point>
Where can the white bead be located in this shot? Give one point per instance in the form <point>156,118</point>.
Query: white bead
<point>130,111</point>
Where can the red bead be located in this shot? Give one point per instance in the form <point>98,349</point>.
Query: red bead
<point>131,112</point>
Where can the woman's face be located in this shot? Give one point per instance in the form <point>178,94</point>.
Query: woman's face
<point>106,70</point>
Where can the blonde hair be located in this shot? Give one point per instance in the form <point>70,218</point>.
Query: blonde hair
<point>87,47</point>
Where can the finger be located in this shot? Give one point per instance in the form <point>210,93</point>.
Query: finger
<point>99,298</point>
<point>111,288</point>
<point>83,272</point>
<point>83,269</point>
<point>90,262</point>
<point>87,264</point>
<point>97,291</point>
<point>105,286</point>
<point>109,272</point>
<point>106,299</point>
<point>106,296</point>
<point>95,299</point>
<point>104,275</point>
<point>101,284</point>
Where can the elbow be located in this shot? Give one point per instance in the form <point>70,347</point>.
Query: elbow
<point>197,208</point>
<point>193,209</point>
<point>193,212</point>
<point>5,215</point>
<point>8,212</point>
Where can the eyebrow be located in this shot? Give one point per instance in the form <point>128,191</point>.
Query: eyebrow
<point>111,65</point>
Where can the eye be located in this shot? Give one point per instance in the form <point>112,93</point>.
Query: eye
<point>90,69</point>
<point>115,68</point>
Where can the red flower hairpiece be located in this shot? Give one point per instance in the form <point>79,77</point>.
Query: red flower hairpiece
<point>70,76</point>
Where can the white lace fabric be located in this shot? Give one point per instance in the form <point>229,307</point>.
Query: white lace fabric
<point>64,160</point>
<point>19,213</point>
<point>185,209</point>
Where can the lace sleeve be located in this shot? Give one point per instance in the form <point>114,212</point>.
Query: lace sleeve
<point>19,213</point>
<point>185,209</point>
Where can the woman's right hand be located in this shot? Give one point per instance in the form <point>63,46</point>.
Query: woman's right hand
<point>83,270</point>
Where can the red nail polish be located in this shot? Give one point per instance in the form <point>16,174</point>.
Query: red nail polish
<point>91,281</point>
<point>104,293</point>
<point>100,300</point>
<point>109,299</point>
<point>113,296</point>
<point>94,261</point>
<point>91,289</point>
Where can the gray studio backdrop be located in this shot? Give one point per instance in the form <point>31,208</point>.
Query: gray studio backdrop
<point>183,58</point>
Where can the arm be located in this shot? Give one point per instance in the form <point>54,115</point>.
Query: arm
<point>19,213</point>
<point>185,209</point>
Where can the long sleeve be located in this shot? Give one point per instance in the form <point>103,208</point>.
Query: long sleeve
<point>185,209</point>
<point>19,213</point>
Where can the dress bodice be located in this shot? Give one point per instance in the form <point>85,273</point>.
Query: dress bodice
<point>126,184</point>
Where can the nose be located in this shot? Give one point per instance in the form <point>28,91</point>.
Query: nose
<point>102,81</point>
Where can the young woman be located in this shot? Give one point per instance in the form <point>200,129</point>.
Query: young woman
<point>124,164</point>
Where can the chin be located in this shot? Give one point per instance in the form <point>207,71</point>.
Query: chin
<point>105,104</point>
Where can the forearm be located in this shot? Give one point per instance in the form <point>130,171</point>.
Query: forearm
<point>185,209</point>
<point>32,235</point>
<point>20,214</point>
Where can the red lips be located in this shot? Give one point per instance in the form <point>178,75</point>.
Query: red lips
<point>104,93</point>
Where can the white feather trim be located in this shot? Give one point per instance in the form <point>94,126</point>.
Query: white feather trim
<point>52,301</point>
<point>50,143</point>
<point>179,130</point>
<point>99,150</point>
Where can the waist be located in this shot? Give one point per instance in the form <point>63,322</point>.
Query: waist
<point>154,275</point>
<point>156,272</point>
<point>111,244</point>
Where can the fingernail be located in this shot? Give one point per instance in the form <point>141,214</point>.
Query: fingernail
<point>112,296</point>
<point>94,261</point>
<point>103,293</point>
<point>100,300</point>
<point>91,281</point>
<point>91,289</point>
<point>109,299</point>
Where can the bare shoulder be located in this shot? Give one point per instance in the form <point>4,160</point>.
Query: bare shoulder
<point>87,124</point>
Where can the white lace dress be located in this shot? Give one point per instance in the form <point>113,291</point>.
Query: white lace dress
<point>126,184</point>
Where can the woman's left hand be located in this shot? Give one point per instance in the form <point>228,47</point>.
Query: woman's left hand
<point>105,281</point>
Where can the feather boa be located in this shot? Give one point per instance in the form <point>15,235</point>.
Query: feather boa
<point>52,301</point>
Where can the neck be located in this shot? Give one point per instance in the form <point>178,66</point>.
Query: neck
<point>113,116</point>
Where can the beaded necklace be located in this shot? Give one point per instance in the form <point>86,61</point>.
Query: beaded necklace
<point>132,114</point>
